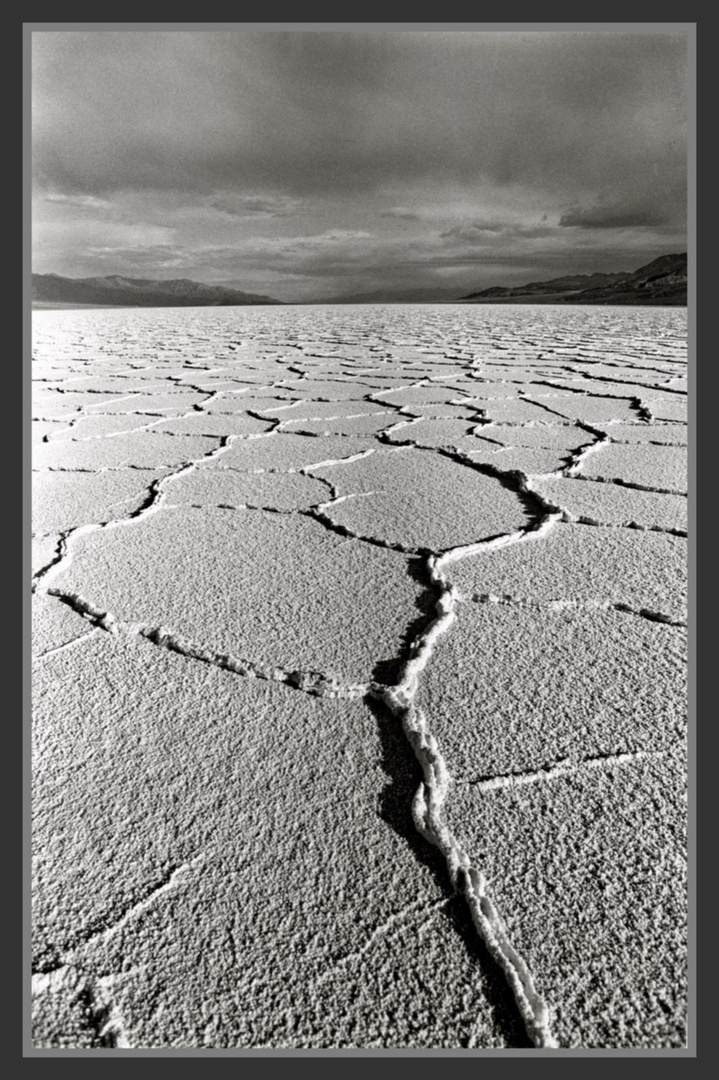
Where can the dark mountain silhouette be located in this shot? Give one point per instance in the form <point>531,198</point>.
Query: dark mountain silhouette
<point>138,292</point>
<point>662,281</point>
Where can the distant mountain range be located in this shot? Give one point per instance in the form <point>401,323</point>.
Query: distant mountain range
<point>663,281</point>
<point>138,292</point>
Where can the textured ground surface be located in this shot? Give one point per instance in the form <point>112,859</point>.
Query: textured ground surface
<point>359,678</point>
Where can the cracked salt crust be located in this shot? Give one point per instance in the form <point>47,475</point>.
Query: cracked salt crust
<point>511,410</point>
<point>668,433</point>
<point>545,435</point>
<point>229,487</point>
<point>658,468</point>
<point>54,625</point>
<point>612,504</point>
<point>525,459</point>
<point>287,451</point>
<point>520,686</point>
<point>586,408</point>
<point>422,500</point>
<point>323,410</point>
<point>42,429</point>
<point>239,403</point>
<point>66,500</point>
<point>216,425</point>
<point>667,410</point>
<point>353,425</point>
<point>610,387</point>
<point>43,551</point>
<point>170,630</point>
<point>100,426</point>
<point>439,411</point>
<point>147,450</point>
<point>274,589</point>
<point>607,935</point>
<point>585,563</point>
<point>415,395</point>
<point>429,432</point>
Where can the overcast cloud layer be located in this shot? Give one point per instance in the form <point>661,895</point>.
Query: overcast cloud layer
<point>314,164</point>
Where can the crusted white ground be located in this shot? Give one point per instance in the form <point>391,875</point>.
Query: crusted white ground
<point>359,678</point>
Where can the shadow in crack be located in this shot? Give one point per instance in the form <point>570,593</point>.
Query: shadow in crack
<point>405,775</point>
<point>387,671</point>
<point>513,480</point>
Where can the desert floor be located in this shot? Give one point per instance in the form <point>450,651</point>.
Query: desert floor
<point>359,677</point>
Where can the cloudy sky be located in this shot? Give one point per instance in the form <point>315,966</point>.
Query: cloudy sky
<point>314,164</point>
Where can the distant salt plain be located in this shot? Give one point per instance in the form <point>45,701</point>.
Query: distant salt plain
<point>359,678</point>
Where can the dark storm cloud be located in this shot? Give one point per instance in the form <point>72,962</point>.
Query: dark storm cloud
<point>612,217</point>
<point>311,160</point>
<point>312,112</point>
<point>401,214</point>
<point>247,205</point>
<point>481,235</point>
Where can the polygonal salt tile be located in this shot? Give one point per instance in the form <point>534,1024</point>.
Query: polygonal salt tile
<point>611,504</point>
<point>277,590</point>
<point>663,468</point>
<point>286,451</point>
<point>143,449</point>
<point>421,500</point>
<point>65,500</point>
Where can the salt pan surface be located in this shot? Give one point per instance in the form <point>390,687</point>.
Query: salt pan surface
<point>300,779</point>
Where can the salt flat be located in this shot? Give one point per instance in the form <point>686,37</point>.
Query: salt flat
<point>359,711</point>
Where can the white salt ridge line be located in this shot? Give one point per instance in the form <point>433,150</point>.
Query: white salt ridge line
<point>67,976</point>
<point>576,461</point>
<point>161,418</point>
<point>573,605</point>
<point>44,980</point>
<point>397,390</point>
<point>430,796</point>
<point>279,408</point>
<point>340,416</point>
<point>562,768</point>
<point>596,393</point>
<point>337,499</point>
<point>66,645</point>
<point>315,683</point>
<point>335,461</point>
<point>176,878</point>
<point>647,442</point>
<point>412,422</point>
<point>625,483</point>
<point>561,421</point>
<point>584,519</point>
<point>665,385</point>
<point>427,814</point>
<point>114,434</point>
<point>103,468</point>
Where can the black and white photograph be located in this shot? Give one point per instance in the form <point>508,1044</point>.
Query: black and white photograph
<point>359,520</point>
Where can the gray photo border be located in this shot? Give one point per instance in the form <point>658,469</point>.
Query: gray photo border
<point>690,28</point>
